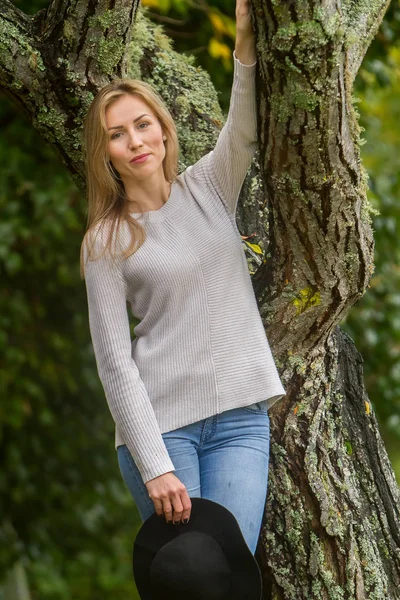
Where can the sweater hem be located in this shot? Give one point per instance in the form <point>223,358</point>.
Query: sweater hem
<point>269,401</point>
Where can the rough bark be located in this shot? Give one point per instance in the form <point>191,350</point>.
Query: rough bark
<point>331,528</point>
<point>320,234</point>
<point>332,514</point>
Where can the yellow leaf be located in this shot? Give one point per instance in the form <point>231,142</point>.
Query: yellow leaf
<point>151,3</point>
<point>217,23</point>
<point>255,247</point>
<point>222,24</point>
<point>367,407</point>
<point>218,50</point>
<point>296,408</point>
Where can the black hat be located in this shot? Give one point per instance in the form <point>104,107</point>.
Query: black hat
<point>206,559</point>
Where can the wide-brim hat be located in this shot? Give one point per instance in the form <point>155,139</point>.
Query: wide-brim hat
<point>205,558</point>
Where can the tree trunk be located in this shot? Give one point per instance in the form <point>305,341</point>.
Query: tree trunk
<point>332,515</point>
<point>331,528</point>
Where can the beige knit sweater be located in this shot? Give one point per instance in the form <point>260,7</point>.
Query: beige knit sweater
<point>200,347</point>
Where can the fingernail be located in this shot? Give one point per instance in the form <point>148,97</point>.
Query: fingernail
<point>169,521</point>
<point>185,521</point>
<point>176,522</point>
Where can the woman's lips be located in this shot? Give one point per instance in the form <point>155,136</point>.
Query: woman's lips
<point>140,159</point>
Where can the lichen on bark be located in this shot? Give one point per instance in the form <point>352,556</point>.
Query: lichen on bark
<point>186,89</point>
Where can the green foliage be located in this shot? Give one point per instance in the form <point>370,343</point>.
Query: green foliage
<point>63,503</point>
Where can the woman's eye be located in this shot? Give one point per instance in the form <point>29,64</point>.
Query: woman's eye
<point>142,125</point>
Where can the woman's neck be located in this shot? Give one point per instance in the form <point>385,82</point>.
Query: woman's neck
<point>144,196</point>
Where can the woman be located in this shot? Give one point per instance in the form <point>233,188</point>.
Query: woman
<point>190,395</point>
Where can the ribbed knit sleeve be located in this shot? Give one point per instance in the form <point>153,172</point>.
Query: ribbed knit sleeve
<point>226,166</point>
<point>125,392</point>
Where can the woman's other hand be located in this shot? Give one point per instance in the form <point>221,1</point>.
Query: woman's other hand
<point>243,18</point>
<point>245,49</point>
<point>170,497</point>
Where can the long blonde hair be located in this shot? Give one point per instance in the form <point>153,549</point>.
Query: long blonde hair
<point>107,201</point>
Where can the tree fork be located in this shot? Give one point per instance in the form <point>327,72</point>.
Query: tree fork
<point>53,63</point>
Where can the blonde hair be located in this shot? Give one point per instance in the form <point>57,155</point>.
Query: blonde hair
<point>107,199</point>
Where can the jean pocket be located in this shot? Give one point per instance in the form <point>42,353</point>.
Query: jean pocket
<point>257,407</point>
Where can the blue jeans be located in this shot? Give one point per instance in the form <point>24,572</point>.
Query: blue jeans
<point>223,458</point>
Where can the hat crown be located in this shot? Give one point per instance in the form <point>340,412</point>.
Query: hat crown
<point>191,565</point>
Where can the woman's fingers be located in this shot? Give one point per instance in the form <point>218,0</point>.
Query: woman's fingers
<point>167,507</point>
<point>170,497</point>
<point>187,506</point>
<point>181,507</point>
<point>243,18</point>
<point>177,509</point>
<point>158,505</point>
<point>242,8</point>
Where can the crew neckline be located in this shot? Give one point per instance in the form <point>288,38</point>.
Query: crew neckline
<point>160,213</point>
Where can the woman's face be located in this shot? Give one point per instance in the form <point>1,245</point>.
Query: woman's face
<point>134,131</point>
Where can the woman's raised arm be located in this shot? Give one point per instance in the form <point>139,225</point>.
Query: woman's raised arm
<point>225,168</point>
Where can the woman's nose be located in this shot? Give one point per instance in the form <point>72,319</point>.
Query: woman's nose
<point>135,140</point>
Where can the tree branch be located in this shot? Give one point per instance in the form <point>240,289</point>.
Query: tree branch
<point>17,47</point>
<point>52,64</point>
<point>9,12</point>
<point>362,21</point>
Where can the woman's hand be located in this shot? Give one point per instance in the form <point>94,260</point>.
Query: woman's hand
<point>245,49</point>
<point>170,497</point>
<point>243,18</point>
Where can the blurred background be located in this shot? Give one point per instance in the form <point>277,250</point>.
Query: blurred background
<point>67,522</point>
